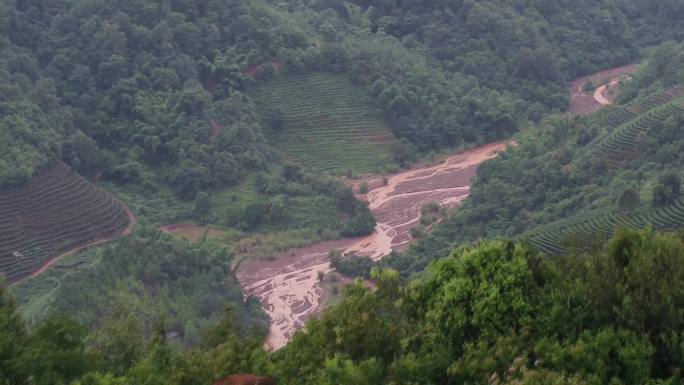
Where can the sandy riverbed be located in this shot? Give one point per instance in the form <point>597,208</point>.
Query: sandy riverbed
<point>288,287</point>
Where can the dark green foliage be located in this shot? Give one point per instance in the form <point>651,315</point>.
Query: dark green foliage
<point>261,183</point>
<point>667,190</point>
<point>360,223</point>
<point>418,232</point>
<point>157,97</point>
<point>403,152</point>
<point>496,311</point>
<point>51,353</point>
<point>163,89</point>
<point>107,85</point>
<point>254,215</point>
<point>147,276</point>
<point>500,308</point>
<point>484,67</point>
<point>664,69</point>
<point>54,352</point>
<point>363,187</point>
<point>33,123</point>
<point>351,265</point>
<point>202,204</point>
<point>628,199</point>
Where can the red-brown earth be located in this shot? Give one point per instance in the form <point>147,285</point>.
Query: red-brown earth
<point>607,83</point>
<point>253,69</point>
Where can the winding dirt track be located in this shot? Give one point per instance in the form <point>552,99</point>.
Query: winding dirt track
<point>604,94</point>
<point>288,287</point>
<point>582,103</point>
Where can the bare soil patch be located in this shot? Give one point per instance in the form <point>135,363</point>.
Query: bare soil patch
<point>190,231</point>
<point>253,69</point>
<point>215,130</point>
<point>583,103</point>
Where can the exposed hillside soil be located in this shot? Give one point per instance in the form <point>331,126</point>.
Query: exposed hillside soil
<point>582,103</point>
<point>215,130</point>
<point>190,231</point>
<point>288,287</point>
<point>253,69</point>
<point>607,93</point>
<point>57,213</point>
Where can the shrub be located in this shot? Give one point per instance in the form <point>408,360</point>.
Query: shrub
<point>418,232</point>
<point>628,200</point>
<point>202,204</point>
<point>360,224</point>
<point>352,265</point>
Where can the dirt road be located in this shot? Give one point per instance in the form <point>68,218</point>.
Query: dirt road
<point>288,287</point>
<point>606,93</point>
<point>582,103</point>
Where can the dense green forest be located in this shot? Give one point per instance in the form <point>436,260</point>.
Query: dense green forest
<point>449,73</point>
<point>497,313</point>
<point>141,90</point>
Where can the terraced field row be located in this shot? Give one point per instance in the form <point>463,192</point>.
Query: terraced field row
<point>584,229</point>
<point>55,212</point>
<point>622,143</point>
<point>623,114</point>
<point>328,122</point>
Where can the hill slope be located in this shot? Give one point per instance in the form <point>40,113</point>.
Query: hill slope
<point>327,122</point>
<point>57,211</point>
<point>573,179</point>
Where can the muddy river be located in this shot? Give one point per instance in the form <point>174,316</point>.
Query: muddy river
<point>288,287</point>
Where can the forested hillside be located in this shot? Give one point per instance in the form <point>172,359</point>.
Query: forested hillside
<point>496,313</point>
<point>474,71</point>
<point>144,81</point>
<point>135,89</point>
<point>242,126</point>
<point>150,278</point>
<point>623,162</point>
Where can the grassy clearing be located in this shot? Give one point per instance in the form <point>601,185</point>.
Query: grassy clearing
<point>327,123</point>
<point>298,211</point>
<point>263,246</point>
